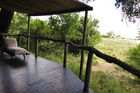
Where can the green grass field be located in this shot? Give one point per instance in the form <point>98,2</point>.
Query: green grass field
<point>105,77</point>
<point>116,47</point>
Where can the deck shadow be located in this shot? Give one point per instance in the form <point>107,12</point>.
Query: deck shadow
<point>15,62</point>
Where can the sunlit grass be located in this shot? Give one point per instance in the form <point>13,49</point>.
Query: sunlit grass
<point>115,47</point>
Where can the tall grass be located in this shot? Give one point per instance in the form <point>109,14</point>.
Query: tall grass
<point>105,83</point>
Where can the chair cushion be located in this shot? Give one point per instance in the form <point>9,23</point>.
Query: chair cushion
<point>10,42</point>
<point>10,46</point>
<point>17,51</point>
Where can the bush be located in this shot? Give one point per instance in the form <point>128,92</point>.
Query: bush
<point>134,56</point>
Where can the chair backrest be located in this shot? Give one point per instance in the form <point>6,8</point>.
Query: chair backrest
<point>10,42</point>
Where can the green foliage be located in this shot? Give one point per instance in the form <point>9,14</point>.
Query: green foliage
<point>130,9</point>
<point>70,27</point>
<point>19,23</point>
<point>134,56</point>
<point>138,37</point>
<point>135,52</point>
<point>93,35</point>
<point>106,83</point>
<point>64,27</point>
<point>40,28</point>
<point>112,35</point>
<point>109,35</point>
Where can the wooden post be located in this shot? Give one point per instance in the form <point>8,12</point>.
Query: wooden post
<point>5,20</point>
<point>19,40</point>
<point>28,34</point>
<point>88,71</point>
<point>36,47</point>
<point>24,57</point>
<point>83,43</point>
<point>65,54</point>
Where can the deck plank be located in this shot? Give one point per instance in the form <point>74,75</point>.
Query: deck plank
<point>36,76</point>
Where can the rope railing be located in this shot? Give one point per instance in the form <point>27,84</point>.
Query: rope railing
<point>91,50</point>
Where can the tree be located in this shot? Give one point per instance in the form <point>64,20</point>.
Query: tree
<point>134,56</point>
<point>138,37</point>
<point>64,26</point>
<point>110,34</point>
<point>37,27</point>
<point>19,23</point>
<point>93,35</point>
<point>70,27</point>
<point>130,8</point>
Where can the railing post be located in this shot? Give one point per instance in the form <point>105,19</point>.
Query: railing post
<point>27,43</point>
<point>88,71</point>
<point>28,34</point>
<point>65,54</point>
<point>19,40</point>
<point>81,63</point>
<point>36,47</point>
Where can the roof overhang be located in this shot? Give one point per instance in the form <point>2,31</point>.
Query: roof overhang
<point>44,7</point>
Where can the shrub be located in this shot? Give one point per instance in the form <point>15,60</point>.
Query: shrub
<point>134,56</point>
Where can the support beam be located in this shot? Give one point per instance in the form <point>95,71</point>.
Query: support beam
<point>83,43</point>
<point>28,33</point>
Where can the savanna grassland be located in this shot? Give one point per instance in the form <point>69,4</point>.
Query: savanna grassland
<point>105,77</point>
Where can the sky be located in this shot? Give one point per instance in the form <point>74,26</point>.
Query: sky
<point>110,19</point>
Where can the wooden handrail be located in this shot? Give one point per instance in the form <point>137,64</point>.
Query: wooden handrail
<point>91,50</point>
<point>43,38</point>
<point>108,58</point>
<point>99,54</point>
<point>5,34</point>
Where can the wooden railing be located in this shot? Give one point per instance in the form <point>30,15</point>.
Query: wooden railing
<point>91,51</point>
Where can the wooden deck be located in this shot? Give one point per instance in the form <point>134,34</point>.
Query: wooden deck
<point>36,76</point>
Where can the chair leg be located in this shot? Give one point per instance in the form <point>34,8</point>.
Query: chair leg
<point>11,57</point>
<point>2,52</point>
<point>24,57</point>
